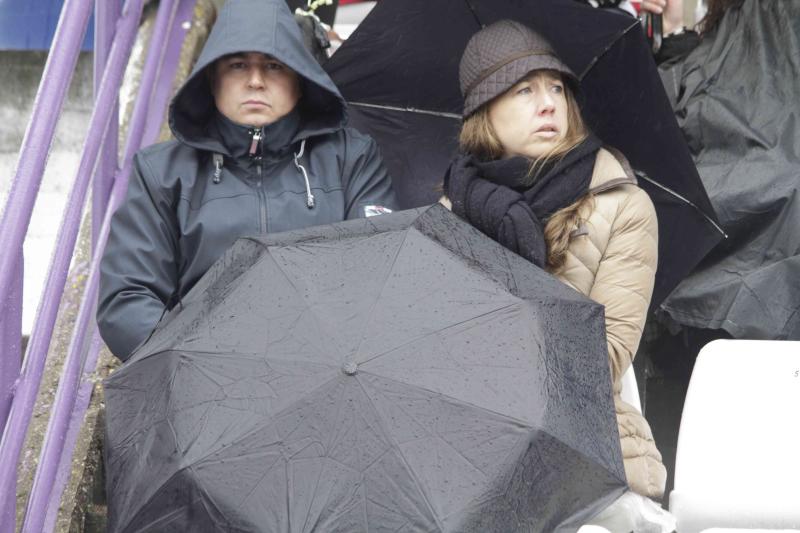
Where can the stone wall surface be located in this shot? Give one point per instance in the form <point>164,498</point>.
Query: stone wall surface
<point>22,71</point>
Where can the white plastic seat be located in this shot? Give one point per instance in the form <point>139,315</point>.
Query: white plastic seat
<point>593,529</point>
<point>738,458</point>
<point>737,530</point>
<point>349,16</point>
<point>630,389</point>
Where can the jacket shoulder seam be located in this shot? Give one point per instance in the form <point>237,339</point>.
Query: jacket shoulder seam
<point>148,177</point>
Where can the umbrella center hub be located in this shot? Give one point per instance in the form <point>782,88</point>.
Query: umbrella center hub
<point>350,368</point>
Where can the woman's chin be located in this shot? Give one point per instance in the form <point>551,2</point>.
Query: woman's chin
<point>539,149</point>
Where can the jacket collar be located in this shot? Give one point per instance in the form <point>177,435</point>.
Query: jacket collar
<point>273,140</point>
<point>611,170</point>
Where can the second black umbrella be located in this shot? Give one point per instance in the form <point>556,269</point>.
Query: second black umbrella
<point>399,72</point>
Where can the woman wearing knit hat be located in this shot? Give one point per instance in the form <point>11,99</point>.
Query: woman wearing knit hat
<point>533,177</point>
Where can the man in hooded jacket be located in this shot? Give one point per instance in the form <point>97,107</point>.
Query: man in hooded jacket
<point>261,146</point>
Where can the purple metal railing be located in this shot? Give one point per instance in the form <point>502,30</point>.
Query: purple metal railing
<point>25,186</point>
<point>11,339</point>
<point>17,215</point>
<point>172,55</point>
<point>33,365</point>
<point>163,89</point>
<point>106,14</point>
<point>73,393</point>
<point>64,403</point>
<point>84,394</point>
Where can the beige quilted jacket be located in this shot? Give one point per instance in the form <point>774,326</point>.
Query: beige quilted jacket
<point>612,259</point>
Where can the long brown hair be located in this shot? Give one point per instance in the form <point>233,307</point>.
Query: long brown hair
<point>479,139</point>
<point>716,10</point>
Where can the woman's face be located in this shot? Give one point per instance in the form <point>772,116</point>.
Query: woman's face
<point>531,117</point>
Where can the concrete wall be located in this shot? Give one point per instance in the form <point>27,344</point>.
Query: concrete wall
<point>22,71</point>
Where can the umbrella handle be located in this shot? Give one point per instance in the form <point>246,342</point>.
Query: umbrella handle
<point>653,30</point>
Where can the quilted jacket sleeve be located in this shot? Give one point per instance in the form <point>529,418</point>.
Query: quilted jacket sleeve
<point>625,277</point>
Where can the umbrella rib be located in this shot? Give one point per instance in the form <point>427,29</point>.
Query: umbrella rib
<point>410,471</point>
<point>170,478</point>
<point>408,110</point>
<point>309,308</point>
<point>512,280</point>
<point>383,286</point>
<point>162,419</point>
<point>259,357</point>
<point>589,459</point>
<point>270,421</point>
<point>474,13</point>
<point>333,444</point>
<point>461,402</point>
<point>686,200</point>
<point>202,487</point>
<point>451,326</point>
<point>542,459</point>
<point>319,477</point>
<point>504,416</point>
<point>608,47</point>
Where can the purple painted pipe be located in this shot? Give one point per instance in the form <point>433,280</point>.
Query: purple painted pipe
<point>30,377</point>
<point>16,217</point>
<point>10,342</point>
<point>57,74</point>
<point>164,86</point>
<point>84,394</point>
<point>106,13</point>
<point>180,27</point>
<point>70,378</point>
<point>163,90</point>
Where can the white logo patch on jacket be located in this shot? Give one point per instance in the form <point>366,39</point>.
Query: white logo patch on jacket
<point>375,210</point>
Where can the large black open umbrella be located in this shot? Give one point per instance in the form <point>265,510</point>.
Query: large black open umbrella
<point>400,373</point>
<point>399,72</point>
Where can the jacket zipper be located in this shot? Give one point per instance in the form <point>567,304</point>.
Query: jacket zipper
<point>262,199</point>
<point>255,153</point>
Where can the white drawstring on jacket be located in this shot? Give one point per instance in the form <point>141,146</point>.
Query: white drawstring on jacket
<point>301,168</point>
<point>218,159</point>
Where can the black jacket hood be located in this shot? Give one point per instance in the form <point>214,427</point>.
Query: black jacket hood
<point>268,27</point>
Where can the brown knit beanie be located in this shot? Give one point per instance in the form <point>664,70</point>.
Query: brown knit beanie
<point>499,56</point>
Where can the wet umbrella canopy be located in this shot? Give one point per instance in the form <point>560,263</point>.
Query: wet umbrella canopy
<point>399,373</point>
<point>399,73</point>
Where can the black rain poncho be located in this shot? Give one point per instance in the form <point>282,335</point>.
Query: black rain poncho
<point>738,107</point>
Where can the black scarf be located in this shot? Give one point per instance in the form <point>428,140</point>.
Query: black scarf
<point>493,197</point>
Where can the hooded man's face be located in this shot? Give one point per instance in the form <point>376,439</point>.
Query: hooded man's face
<point>254,89</point>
